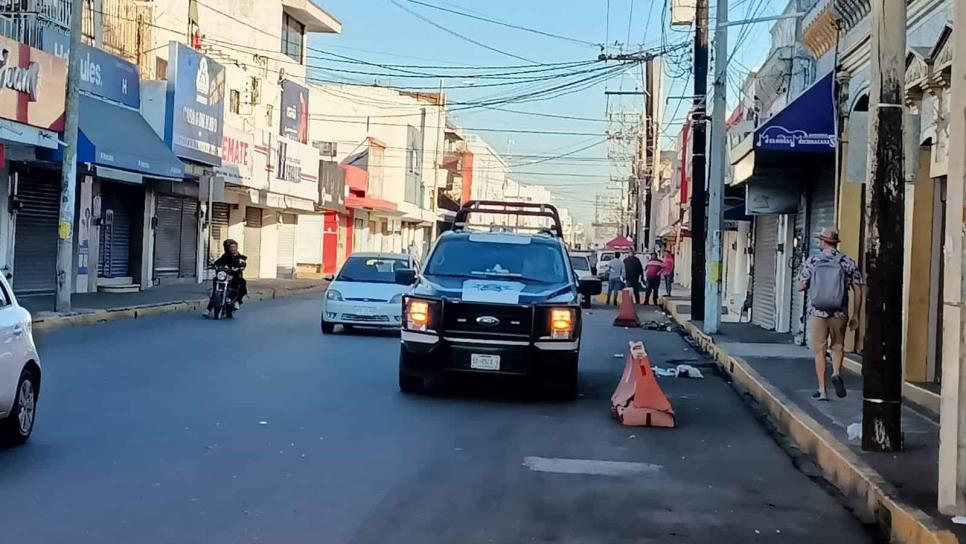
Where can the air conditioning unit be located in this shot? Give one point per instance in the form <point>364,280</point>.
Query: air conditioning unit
<point>326,149</point>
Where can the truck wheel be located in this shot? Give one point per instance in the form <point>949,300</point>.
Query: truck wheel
<point>408,383</point>
<point>565,386</point>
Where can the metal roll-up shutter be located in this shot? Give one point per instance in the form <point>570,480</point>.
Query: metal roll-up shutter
<point>35,238</point>
<point>821,215</point>
<point>252,244</point>
<point>763,280</point>
<point>218,230</point>
<point>188,262</point>
<point>286,245</point>
<point>115,243</point>
<point>167,236</point>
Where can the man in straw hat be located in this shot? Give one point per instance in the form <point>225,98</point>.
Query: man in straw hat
<point>828,277</point>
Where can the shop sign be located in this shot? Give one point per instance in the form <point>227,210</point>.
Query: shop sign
<point>110,77</point>
<point>777,137</point>
<point>32,86</point>
<point>196,87</point>
<point>296,169</point>
<point>236,155</point>
<point>771,196</point>
<point>294,122</point>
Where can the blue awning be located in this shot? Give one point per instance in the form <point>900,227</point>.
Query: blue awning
<point>121,141</point>
<point>806,125</point>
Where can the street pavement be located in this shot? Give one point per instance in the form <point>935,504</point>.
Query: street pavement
<point>179,430</point>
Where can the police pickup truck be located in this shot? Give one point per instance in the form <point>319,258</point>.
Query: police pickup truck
<point>495,300</point>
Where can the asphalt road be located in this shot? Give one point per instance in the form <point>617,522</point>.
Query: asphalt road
<point>179,430</point>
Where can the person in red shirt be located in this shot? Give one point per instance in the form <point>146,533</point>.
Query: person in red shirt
<point>668,271</point>
<point>652,277</point>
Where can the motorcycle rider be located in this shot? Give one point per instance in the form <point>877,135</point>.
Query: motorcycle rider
<point>236,263</point>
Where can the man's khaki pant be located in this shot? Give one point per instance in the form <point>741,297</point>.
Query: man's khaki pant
<point>823,328</point>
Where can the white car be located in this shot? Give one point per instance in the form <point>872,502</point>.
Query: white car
<point>365,292</point>
<point>19,370</point>
<point>584,271</point>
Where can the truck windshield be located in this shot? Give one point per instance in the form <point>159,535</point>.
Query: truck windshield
<point>539,262</point>
<point>580,263</point>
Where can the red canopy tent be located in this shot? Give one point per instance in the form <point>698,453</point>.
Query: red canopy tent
<point>621,242</point>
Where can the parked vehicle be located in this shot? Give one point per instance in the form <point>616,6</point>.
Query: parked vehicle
<point>584,270</point>
<point>603,257</point>
<point>224,295</point>
<point>494,303</point>
<point>19,370</point>
<point>365,293</point>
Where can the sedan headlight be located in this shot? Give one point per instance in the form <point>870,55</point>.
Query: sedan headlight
<point>332,294</point>
<point>396,299</point>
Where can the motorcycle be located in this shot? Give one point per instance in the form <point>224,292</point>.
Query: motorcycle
<point>223,294</point>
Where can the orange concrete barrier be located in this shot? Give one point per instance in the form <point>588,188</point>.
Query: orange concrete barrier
<point>638,400</point>
<point>627,313</point>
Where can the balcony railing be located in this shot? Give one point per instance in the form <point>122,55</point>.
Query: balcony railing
<point>55,12</point>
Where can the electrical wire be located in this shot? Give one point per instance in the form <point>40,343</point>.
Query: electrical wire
<point>429,21</point>
<point>502,23</point>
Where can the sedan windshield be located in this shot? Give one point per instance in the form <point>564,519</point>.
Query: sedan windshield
<point>371,269</point>
<point>538,262</point>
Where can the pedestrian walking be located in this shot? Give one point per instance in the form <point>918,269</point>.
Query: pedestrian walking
<point>652,275</point>
<point>615,279</point>
<point>828,277</point>
<point>633,272</point>
<point>668,271</point>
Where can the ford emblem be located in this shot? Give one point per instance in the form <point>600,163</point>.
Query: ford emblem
<point>487,320</point>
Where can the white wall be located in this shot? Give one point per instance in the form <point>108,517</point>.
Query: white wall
<point>308,240</point>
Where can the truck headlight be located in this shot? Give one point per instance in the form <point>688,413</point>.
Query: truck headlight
<point>417,315</point>
<point>332,294</point>
<point>561,323</point>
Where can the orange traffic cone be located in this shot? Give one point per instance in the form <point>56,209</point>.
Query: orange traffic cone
<point>638,400</point>
<point>627,313</point>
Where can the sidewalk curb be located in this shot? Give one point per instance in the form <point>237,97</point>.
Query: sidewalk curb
<point>95,317</point>
<point>871,496</point>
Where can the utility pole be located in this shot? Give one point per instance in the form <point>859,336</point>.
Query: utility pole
<point>438,164</point>
<point>68,181</point>
<point>716,181</point>
<point>649,151</point>
<point>952,413</point>
<point>698,162</point>
<point>882,356</point>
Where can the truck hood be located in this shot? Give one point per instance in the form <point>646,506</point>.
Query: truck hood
<point>495,290</point>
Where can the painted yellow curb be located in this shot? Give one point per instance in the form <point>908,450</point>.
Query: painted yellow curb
<point>870,495</point>
<point>137,312</point>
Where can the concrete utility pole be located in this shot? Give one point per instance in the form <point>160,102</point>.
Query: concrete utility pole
<point>698,162</point>
<point>882,356</point>
<point>952,414</point>
<point>433,198</point>
<point>68,182</point>
<point>650,144</point>
<point>716,181</point>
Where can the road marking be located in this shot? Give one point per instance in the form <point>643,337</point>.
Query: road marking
<point>589,466</point>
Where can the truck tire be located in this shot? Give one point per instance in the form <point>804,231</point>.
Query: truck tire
<point>408,382</point>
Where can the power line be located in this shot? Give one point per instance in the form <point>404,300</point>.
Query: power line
<point>501,23</point>
<point>429,21</point>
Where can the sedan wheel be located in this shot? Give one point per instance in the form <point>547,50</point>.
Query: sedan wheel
<point>20,424</point>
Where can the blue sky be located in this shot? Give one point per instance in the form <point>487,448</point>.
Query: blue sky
<point>378,31</point>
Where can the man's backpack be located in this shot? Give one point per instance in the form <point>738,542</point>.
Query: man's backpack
<point>827,289</point>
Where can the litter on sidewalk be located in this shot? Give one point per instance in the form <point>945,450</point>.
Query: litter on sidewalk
<point>680,371</point>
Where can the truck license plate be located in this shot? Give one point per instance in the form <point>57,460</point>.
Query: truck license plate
<point>484,362</point>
